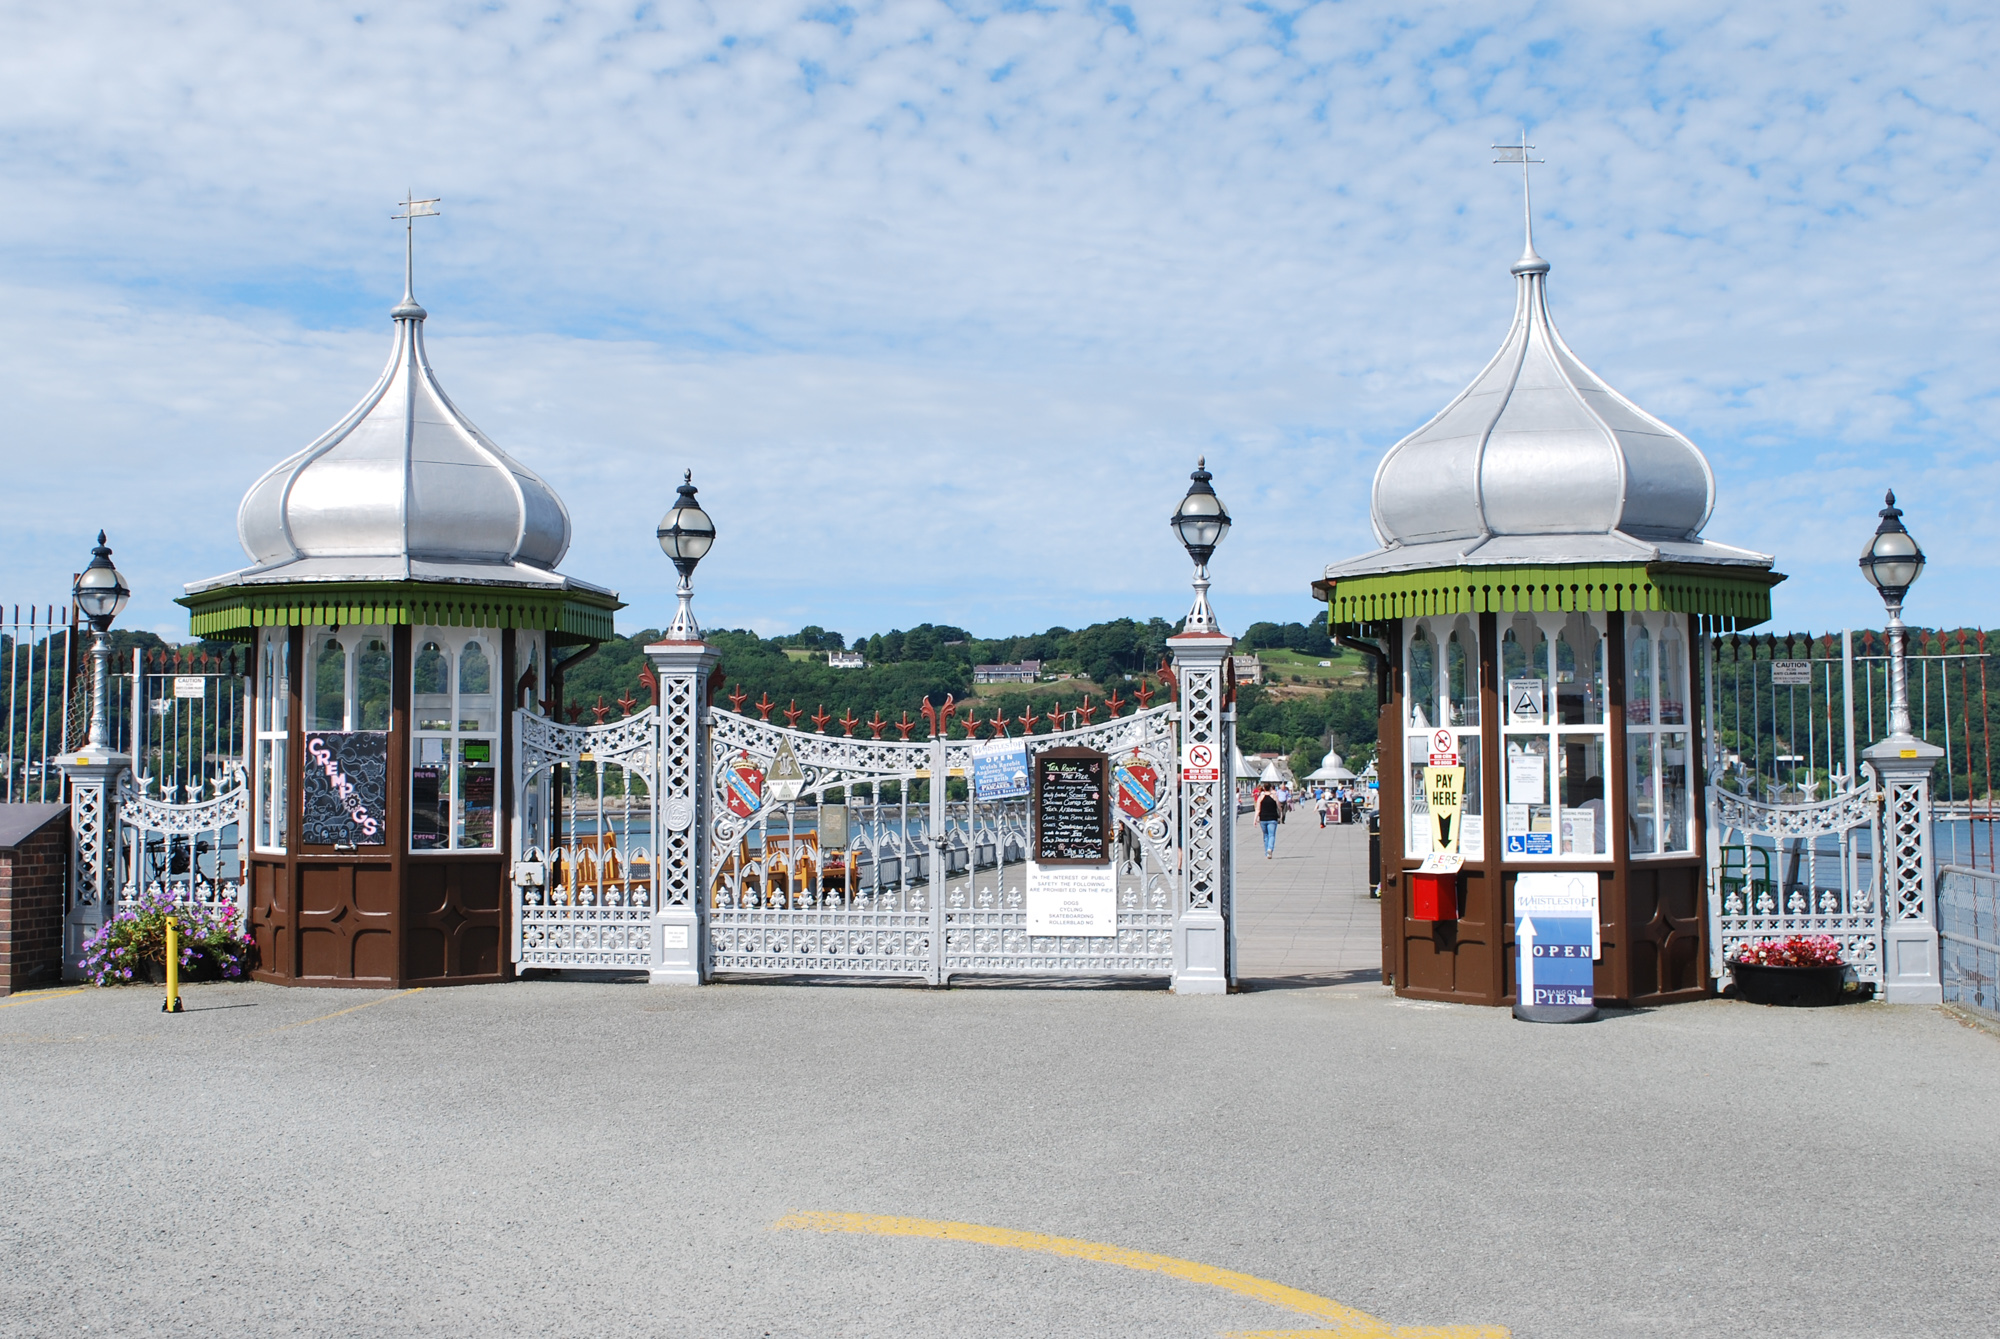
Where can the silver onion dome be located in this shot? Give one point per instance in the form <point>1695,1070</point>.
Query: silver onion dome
<point>1539,460</point>
<point>403,487</point>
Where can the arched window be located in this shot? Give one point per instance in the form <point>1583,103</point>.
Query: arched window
<point>455,750</point>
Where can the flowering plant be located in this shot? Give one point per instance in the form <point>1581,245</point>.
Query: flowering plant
<point>1797,951</point>
<point>212,941</point>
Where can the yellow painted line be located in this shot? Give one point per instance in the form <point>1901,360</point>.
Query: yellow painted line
<point>41,995</point>
<point>1345,1321</point>
<point>370,1004</point>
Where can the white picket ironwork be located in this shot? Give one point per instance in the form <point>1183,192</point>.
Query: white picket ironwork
<point>585,881</point>
<point>930,888</point>
<point>192,850</point>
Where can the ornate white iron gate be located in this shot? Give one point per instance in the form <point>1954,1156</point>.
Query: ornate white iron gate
<point>189,851</point>
<point>585,880</point>
<point>860,875</point>
<point>1793,869</point>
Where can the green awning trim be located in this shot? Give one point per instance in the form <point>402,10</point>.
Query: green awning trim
<point>233,613</point>
<point>1736,597</point>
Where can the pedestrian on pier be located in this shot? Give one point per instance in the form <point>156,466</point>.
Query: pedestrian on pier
<point>1269,811</point>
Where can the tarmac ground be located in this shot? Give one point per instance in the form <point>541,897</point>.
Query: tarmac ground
<point>1309,1157</point>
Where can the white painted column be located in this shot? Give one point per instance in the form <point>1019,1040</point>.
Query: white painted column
<point>1905,856</point>
<point>93,848</point>
<point>681,812</point>
<point>1207,817</point>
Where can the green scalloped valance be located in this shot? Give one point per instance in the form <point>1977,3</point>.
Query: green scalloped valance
<point>232,613</point>
<point>1737,597</point>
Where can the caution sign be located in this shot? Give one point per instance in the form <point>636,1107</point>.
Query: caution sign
<point>1524,701</point>
<point>1444,788</point>
<point>787,778</point>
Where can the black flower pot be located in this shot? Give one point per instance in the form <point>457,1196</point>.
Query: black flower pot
<point>1795,987</point>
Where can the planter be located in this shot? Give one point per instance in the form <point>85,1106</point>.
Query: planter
<point>1797,987</point>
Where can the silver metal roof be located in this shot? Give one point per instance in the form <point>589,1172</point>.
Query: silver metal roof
<point>1539,461</point>
<point>402,488</point>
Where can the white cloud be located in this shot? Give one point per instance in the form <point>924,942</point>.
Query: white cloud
<point>941,301</point>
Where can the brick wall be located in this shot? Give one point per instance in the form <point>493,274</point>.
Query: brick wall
<point>32,878</point>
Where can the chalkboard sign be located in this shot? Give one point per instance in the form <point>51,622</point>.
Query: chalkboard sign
<point>346,790</point>
<point>1072,807</point>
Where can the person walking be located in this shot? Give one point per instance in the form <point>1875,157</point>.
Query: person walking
<point>1268,813</point>
<point>1321,806</point>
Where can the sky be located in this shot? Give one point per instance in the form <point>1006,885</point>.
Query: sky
<point>942,301</point>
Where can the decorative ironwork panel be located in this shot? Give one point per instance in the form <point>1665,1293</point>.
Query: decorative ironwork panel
<point>191,851</point>
<point>1206,815</point>
<point>586,883</point>
<point>1787,884</point>
<point>1906,831</point>
<point>883,883</point>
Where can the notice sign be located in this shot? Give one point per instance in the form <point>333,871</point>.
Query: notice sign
<point>1075,900</point>
<point>1071,805</point>
<point>1795,673</point>
<point>1524,701</point>
<point>190,685</point>
<point>1000,769</point>
<point>1444,790</point>
<point>345,788</point>
<point>1444,749</point>
<point>1557,938</point>
<point>1199,763</point>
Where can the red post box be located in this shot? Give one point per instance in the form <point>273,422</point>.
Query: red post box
<point>1434,897</point>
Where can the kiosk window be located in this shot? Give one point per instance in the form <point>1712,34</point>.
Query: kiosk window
<point>455,754</point>
<point>274,705</point>
<point>1552,715</point>
<point>1657,758</point>
<point>1441,677</point>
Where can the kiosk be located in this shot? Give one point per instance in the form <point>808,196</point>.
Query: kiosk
<point>1537,608</point>
<point>402,600</point>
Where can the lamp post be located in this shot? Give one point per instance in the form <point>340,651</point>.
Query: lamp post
<point>1204,935</point>
<point>682,665</point>
<point>1902,764</point>
<point>1892,562</point>
<point>686,532</point>
<point>1201,522</point>
<point>100,595</point>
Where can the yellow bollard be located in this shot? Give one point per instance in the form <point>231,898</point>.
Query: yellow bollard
<point>173,1000</point>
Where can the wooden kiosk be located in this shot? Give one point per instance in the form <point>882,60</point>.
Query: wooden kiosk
<point>402,601</point>
<point>1540,602</point>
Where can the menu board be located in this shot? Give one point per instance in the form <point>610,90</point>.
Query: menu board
<point>1071,804</point>
<point>346,788</point>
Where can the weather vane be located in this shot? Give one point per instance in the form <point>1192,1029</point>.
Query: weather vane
<point>413,208</point>
<point>1518,153</point>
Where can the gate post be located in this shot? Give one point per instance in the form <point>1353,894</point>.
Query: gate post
<point>93,776</point>
<point>1207,814</point>
<point>1903,860</point>
<point>680,812</point>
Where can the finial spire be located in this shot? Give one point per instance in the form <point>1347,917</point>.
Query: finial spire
<point>1529,263</point>
<point>413,208</point>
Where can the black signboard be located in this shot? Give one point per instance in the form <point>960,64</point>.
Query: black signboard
<point>1071,802</point>
<point>346,791</point>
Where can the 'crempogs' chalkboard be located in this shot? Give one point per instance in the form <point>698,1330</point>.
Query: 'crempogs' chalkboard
<point>1072,807</point>
<point>346,791</point>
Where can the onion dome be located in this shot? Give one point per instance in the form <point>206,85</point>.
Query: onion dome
<point>1540,461</point>
<point>404,487</point>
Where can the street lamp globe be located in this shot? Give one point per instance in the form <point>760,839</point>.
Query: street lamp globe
<point>1201,520</point>
<point>101,591</point>
<point>1892,561</point>
<point>686,532</point>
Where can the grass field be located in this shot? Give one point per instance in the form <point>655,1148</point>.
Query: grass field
<point>1280,666</point>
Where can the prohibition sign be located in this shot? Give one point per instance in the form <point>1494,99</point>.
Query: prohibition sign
<point>1198,763</point>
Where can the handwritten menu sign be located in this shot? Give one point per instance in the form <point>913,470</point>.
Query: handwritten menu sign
<point>1072,807</point>
<point>346,790</point>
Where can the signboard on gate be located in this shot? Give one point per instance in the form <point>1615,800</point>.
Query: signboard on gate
<point>1199,763</point>
<point>1557,939</point>
<point>190,685</point>
<point>1076,900</point>
<point>1794,673</point>
<point>1444,789</point>
<point>1000,769</point>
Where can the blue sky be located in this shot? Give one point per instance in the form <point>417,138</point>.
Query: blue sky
<point>941,301</point>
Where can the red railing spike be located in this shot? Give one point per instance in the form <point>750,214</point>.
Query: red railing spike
<point>764,705</point>
<point>628,702</point>
<point>1086,710</point>
<point>737,699</point>
<point>997,725</point>
<point>848,721</point>
<point>820,718</point>
<point>792,714</point>
<point>878,725</point>
<point>1145,694</point>
<point>1028,721</point>
<point>600,710</point>
<point>1116,703</point>
<point>906,725</point>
